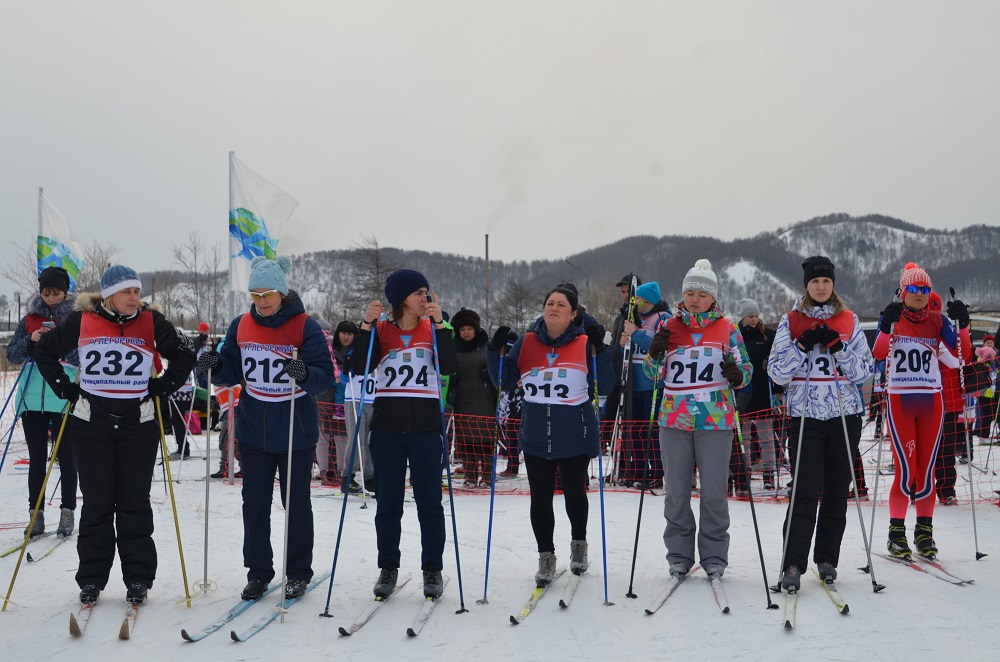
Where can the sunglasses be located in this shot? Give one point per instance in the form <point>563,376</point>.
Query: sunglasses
<point>257,296</point>
<point>918,289</point>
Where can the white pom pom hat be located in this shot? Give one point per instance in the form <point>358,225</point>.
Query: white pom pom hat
<point>701,278</point>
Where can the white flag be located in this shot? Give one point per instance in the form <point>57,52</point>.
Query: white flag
<point>56,246</point>
<point>258,211</point>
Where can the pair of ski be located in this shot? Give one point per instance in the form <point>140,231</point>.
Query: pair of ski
<point>17,548</point>
<point>78,621</point>
<point>792,599</point>
<point>426,609</point>
<point>51,548</point>
<point>928,566</point>
<point>241,607</point>
<point>676,581</point>
<point>567,598</point>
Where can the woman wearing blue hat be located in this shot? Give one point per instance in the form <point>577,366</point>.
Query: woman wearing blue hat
<point>406,420</point>
<point>120,341</point>
<point>258,351</point>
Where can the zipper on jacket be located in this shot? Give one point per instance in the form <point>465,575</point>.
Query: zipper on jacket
<point>548,431</point>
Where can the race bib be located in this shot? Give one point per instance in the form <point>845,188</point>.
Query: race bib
<point>913,365</point>
<point>819,368</point>
<point>407,373</point>
<point>556,385</point>
<point>264,371</point>
<point>115,367</point>
<point>359,384</point>
<point>693,371</point>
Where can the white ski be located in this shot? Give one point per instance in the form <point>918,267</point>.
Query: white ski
<point>370,610</point>
<point>425,613</point>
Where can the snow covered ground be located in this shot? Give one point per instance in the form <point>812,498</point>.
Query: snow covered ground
<point>916,617</point>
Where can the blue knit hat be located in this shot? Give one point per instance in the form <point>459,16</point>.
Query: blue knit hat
<point>118,278</point>
<point>268,274</point>
<point>401,283</point>
<point>649,291</point>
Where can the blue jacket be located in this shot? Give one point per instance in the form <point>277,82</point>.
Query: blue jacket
<point>264,425</point>
<point>559,431</point>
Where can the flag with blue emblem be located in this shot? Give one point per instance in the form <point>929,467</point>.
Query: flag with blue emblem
<point>56,246</point>
<point>258,211</point>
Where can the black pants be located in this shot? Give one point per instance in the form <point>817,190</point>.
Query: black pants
<point>258,469</point>
<point>952,441</point>
<point>116,469</point>
<point>179,426</point>
<point>825,465</point>
<point>542,483</point>
<point>36,434</point>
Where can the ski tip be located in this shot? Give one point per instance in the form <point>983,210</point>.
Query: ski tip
<point>514,621</point>
<point>649,612</point>
<point>411,632</point>
<point>124,633</point>
<point>725,610</point>
<point>788,625</point>
<point>29,557</point>
<point>344,632</point>
<point>845,610</point>
<point>185,636</point>
<point>234,636</point>
<point>74,627</point>
<point>562,603</point>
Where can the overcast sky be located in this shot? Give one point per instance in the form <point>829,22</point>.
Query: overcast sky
<point>554,125</point>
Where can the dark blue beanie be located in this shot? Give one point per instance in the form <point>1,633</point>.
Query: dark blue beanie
<point>401,283</point>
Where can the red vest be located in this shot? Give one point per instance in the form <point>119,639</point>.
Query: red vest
<point>263,353</point>
<point>691,362</point>
<point>554,376</point>
<point>406,368</point>
<point>842,323</point>
<point>116,360</point>
<point>33,322</point>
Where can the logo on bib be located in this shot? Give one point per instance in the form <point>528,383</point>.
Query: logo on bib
<point>534,372</point>
<point>420,353</point>
<point>406,357</point>
<point>551,358</point>
<point>562,373</point>
<point>406,341</point>
<point>697,337</point>
<point>548,376</point>
<point>392,353</point>
<point>694,353</point>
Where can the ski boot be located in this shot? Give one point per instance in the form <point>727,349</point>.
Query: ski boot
<point>791,579</point>
<point>254,589</point>
<point>923,538</point>
<point>433,584</point>
<point>827,572</point>
<point>136,593</point>
<point>714,570</point>
<point>578,562</point>
<point>546,569</point>
<point>678,569</point>
<point>897,545</point>
<point>66,523</point>
<point>89,594</point>
<point>295,588</point>
<point>386,583</point>
<point>39,527</point>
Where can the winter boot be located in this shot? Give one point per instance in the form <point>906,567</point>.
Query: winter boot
<point>254,589</point>
<point>827,571</point>
<point>136,593</point>
<point>897,544</point>
<point>768,478</point>
<point>295,588</point>
<point>923,538</point>
<point>546,569</point>
<point>791,580</point>
<point>578,562</point>
<point>679,569</point>
<point>433,584</point>
<point>386,583</point>
<point>89,594</point>
<point>66,523</point>
<point>714,570</point>
<point>39,527</point>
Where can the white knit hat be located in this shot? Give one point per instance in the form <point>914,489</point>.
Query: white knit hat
<point>701,277</point>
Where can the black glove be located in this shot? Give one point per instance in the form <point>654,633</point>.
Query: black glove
<point>499,338</point>
<point>890,315</point>
<point>209,360</point>
<point>596,337</point>
<point>830,338</point>
<point>731,371</point>
<point>958,312</point>
<point>659,344</point>
<point>159,387</point>
<point>296,369</point>
<point>71,392</point>
<point>808,338</point>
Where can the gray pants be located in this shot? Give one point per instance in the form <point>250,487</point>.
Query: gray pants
<point>681,451</point>
<point>344,443</point>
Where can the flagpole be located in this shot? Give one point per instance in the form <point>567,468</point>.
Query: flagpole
<point>39,232</point>
<point>232,298</point>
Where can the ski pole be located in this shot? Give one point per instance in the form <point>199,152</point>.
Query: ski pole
<point>493,482</point>
<point>645,478</point>
<point>56,487</point>
<point>205,584</point>
<point>968,442</point>
<point>753,510</point>
<point>357,439</point>
<point>288,492</point>
<point>795,473</point>
<point>38,506</point>
<point>357,430</point>
<point>600,470</point>
<point>623,387</point>
<point>876,587</point>
<point>173,501</point>
<point>13,423</point>
<point>447,464</point>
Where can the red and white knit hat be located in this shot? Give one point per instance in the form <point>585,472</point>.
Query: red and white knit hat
<point>913,275</point>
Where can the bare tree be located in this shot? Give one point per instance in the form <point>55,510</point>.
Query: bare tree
<point>370,269</point>
<point>517,306</point>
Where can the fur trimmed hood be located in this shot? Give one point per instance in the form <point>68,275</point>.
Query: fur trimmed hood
<point>58,313</point>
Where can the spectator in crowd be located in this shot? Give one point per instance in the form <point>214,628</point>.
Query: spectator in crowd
<point>38,406</point>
